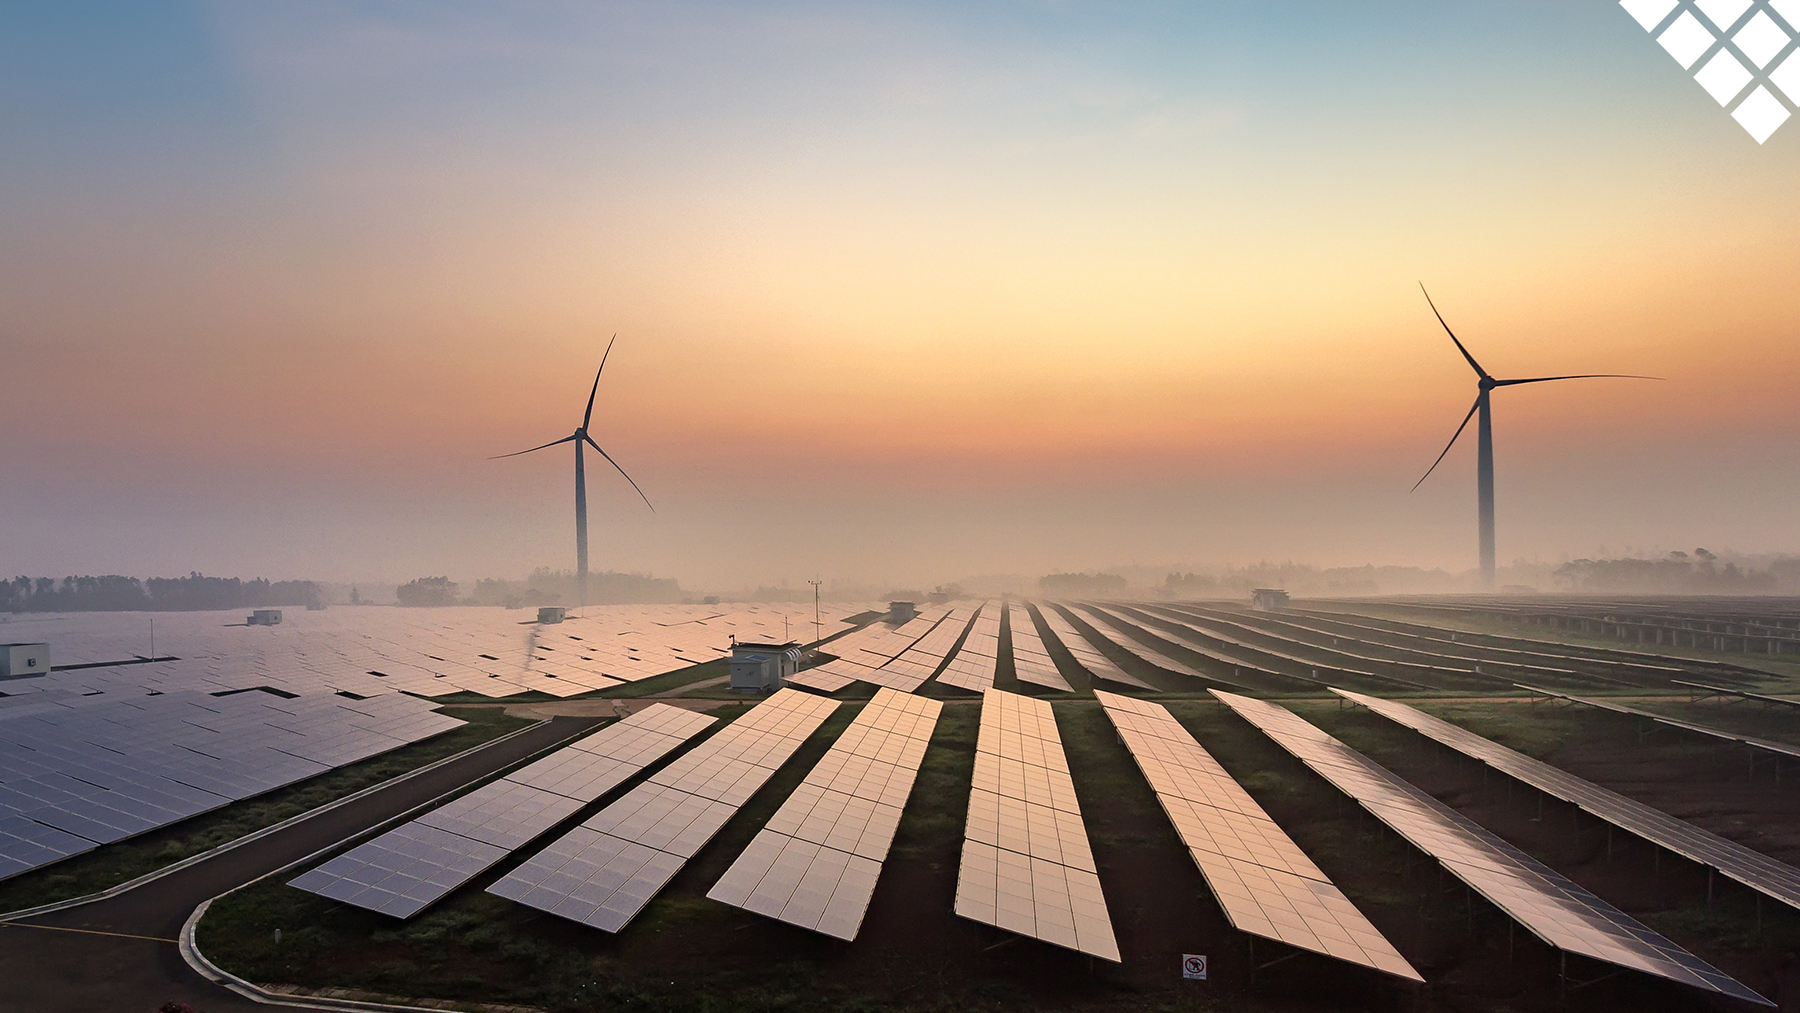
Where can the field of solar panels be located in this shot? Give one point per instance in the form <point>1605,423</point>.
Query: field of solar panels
<point>1398,804</point>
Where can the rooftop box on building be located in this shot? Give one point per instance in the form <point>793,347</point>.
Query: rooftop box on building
<point>1269,598</point>
<point>900,612</point>
<point>263,617</point>
<point>551,613</point>
<point>22,661</point>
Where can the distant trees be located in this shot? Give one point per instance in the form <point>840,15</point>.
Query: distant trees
<point>427,591</point>
<point>113,593</point>
<point>1675,573</point>
<point>1182,585</point>
<point>561,587</point>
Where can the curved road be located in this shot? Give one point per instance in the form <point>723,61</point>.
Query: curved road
<point>119,955</point>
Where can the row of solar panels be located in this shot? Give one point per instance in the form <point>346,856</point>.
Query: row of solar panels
<point>1647,663</point>
<point>1363,644</point>
<point>1292,646</point>
<point>907,656</point>
<point>815,864</point>
<point>1552,907</point>
<point>1026,864</point>
<point>428,652</point>
<point>413,866</point>
<point>79,773</point>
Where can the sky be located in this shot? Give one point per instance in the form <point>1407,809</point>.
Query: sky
<point>902,292</point>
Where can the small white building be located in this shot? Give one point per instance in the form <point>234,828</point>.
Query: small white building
<point>24,661</point>
<point>263,617</point>
<point>551,613</point>
<point>762,668</point>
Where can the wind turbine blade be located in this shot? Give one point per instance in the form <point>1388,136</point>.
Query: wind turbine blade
<point>615,464</point>
<point>1459,345</point>
<point>1447,446</point>
<point>1578,376</point>
<point>590,408</point>
<point>552,443</point>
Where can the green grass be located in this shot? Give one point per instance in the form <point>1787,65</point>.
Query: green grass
<point>126,860</point>
<point>669,680</point>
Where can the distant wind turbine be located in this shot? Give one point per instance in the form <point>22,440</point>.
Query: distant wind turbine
<point>1484,458</point>
<point>579,437</point>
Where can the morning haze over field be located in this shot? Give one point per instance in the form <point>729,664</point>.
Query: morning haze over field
<point>904,294</point>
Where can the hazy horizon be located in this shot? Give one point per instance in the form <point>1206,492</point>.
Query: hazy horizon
<point>904,293</point>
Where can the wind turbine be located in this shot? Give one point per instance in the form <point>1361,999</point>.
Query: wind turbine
<point>579,437</point>
<point>1484,457</point>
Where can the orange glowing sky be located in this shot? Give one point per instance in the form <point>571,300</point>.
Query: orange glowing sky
<point>902,293</point>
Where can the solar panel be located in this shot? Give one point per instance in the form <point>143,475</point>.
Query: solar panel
<point>1769,745</point>
<point>1333,655</point>
<point>1085,654</point>
<point>901,658</point>
<point>1148,655</point>
<point>924,658</point>
<point>604,871</point>
<point>1752,868</point>
<point>1260,877</point>
<point>1738,693</point>
<point>1031,662</point>
<point>1545,902</point>
<point>425,651</point>
<point>826,678</point>
<point>977,659</point>
<point>816,862</point>
<point>76,772</point>
<point>1026,865</point>
<point>415,865</point>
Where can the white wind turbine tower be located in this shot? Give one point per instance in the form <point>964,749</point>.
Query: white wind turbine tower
<point>1484,457</point>
<point>579,437</point>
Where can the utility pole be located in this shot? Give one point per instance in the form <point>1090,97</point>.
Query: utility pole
<point>818,629</point>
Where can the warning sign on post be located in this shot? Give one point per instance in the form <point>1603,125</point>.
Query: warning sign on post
<point>1193,966</point>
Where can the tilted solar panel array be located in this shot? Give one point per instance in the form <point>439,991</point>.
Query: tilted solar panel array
<point>1770,745</point>
<point>1086,654</point>
<point>816,862</point>
<point>862,655</point>
<point>1546,903</point>
<point>1026,864</point>
<point>604,871</point>
<point>976,661</point>
<point>413,866</point>
<point>76,773</point>
<point>904,657</point>
<point>1031,662</point>
<point>1260,877</point>
<point>493,652</point>
<point>1108,627</point>
<point>911,670</point>
<point>1755,870</point>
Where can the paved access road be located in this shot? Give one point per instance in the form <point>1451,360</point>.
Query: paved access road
<point>119,955</point>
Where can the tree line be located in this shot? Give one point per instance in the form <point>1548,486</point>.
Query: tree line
<point>545,587</point>
<point>195,592</point>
